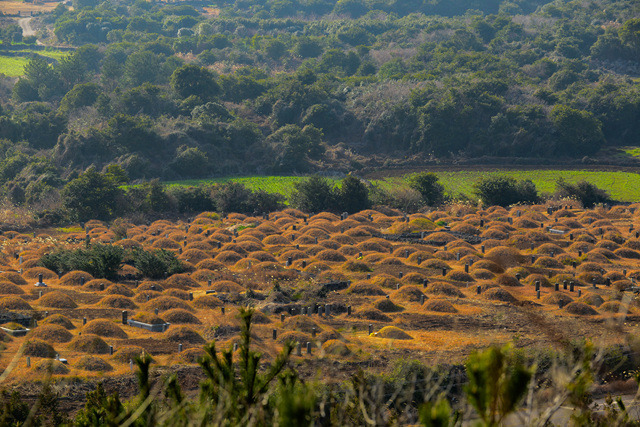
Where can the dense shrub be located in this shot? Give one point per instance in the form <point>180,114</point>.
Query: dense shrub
<point>505,191</point>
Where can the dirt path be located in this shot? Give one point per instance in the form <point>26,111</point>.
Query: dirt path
<point>25,24</point>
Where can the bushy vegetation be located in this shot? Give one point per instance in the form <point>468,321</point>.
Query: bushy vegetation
<point>506,191</point>
<point>165,91</point>
<point>104,261</point>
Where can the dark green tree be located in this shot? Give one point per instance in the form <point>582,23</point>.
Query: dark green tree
<point>314,194</point>
<point>505,191</point>
<point>91,196</point>
<point>353,195</point>
<point>585,192</point>
<point>426,183</point>
<point>191,80</point>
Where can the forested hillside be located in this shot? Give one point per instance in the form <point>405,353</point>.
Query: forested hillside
<point>176,91</point>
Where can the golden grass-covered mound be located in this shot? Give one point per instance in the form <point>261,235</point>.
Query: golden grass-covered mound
<point>146,317</point>
<point>180,281</point>
<point>58,319</point>
<point>8,288</point>
<point>499,294</point>
<point>409,293</point>
<point>592,299</point>
<point>385,305</point>
<point>365,288</point>
<point>128,353</point>
<point>93,364</point>
<point>393,333</point>
<point>57,299</point>
<point>207,301</point>
<point>54,367</point>
<point>443,288</point>
<point>13,277</point>
<point>52,333</point>
<point>14,303</point>
<point>37,348</point>
<point>119,289</point>
<point>580,309</point>
<point>336,348</point>
<point>505,256</point>
<point>164,303</point>
<point>557,298</point>
<point>227,286</point>
<point>440,306</point>
<point>91,344</point>
<point>117,301</point>
<point>616,307</point>
<point>180,316</point>
<point>75,278</point>
<point>104,328</point>
<point>183,334</point>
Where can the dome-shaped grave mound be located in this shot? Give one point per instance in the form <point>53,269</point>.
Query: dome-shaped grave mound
<point>128,353</point>
<point>179,316</point>
<point>52,333</point>
<point>183,334</point>
<point>96,285</point>
<point>93,364</point>
<point>393,333</point>
<point>14,303</point>
<point>104,328</point>
<point>54,367</point>
<point>35,347</point>
<point>8,288</point>
<point>117,301</point>
<point>365,288</point>
<point>207,302</point>
<point>91,344</point>
<point>592,299</point>
<point>505,257</point>
<point>557,298</point>
<point>165,303</point>
<point>409,293</point>
<point>440,306</point>
<point>385,305</point>
<point>580,309</point>
<point>58,319</point>
<point>180,281</point>
<point>57,299</point>
<point>443,288</point>
<point>192,355</point>
<point>75,278</point>
<point>616,307</point>
<point>336,348</point>
<point>13,277</point>
<point>227,286</point>
<point>119,289</point>
<point>499,294</point>
<point>178,293</point>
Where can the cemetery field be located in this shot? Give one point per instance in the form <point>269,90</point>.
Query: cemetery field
<point>622,186</point>
<point>370,289</point>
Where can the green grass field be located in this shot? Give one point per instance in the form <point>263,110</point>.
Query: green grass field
<point>12,66</point>
<point>622,186</point>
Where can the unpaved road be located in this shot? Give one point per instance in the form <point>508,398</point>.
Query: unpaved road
<point>25,24</point>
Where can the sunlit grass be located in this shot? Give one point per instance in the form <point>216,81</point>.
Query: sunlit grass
<point>622,186</point>
<point>12,66</point>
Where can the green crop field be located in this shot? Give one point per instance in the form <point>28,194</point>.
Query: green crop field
<point>12,66</point>
<point>622,186</point>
